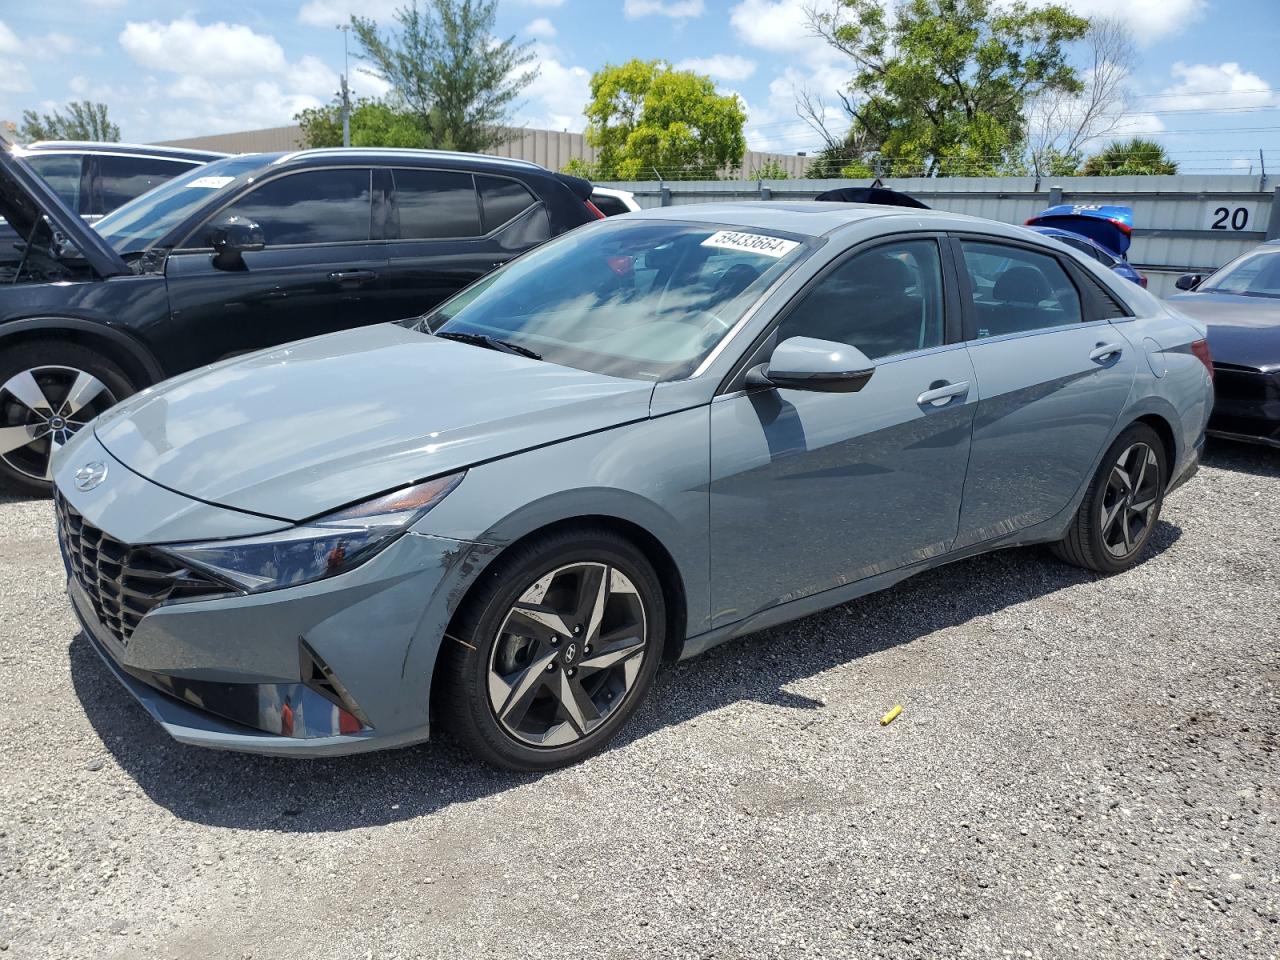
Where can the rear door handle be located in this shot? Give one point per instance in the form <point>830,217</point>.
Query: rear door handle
<point>940,393</point>
<point>1106,351</point>
<point>352,276</point>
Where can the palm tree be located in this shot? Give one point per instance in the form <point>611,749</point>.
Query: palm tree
<point>1129,158</point>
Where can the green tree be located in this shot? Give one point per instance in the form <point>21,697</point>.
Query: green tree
<point>646,117</point>
<point>771,169</point>
<point>374,123</point>
<point>443,61</point>
<point>83,121</point>
<point>1135,157</point>
<point>941,86</point>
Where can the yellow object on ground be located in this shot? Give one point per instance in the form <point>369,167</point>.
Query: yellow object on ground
<point>892,715</point>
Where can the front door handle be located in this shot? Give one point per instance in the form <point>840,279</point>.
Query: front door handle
<point>940,393</point>
<point>1106,351</point>
<point>352,276</point>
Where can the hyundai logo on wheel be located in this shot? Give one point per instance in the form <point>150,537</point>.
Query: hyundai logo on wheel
<point>91,475</point>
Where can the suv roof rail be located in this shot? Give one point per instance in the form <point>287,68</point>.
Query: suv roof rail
<point>407,152</point>
<point>107,146</point>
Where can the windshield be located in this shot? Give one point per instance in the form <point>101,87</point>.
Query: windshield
<point>641,299</point>
<point>1255,274</point>
<point>141,222</point>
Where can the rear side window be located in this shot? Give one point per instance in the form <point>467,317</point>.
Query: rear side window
<point>62,172</point>
<point>502,200</point>
<point>1016,290</point>
<point>121,179</point>
<point>435,204</point>
<point>314,206</point>
<point>609,206</point>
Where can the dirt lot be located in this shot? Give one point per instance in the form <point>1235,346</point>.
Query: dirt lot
<point>1085,767</point>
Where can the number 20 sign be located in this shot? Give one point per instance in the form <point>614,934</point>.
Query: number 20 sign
<point>1229,216</point>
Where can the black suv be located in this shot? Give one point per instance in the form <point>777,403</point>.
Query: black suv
<point>240,254</point>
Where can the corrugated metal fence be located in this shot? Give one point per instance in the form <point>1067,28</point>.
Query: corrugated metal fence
<point>1182,223</point>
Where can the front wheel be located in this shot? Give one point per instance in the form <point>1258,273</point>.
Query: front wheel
<point>1121,507</point>
<point>554,650</point>
<point>48,391</point>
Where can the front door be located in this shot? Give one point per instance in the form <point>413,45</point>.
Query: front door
<point>811,491</point>
<point>313,276</point>
<point>1053,376</point>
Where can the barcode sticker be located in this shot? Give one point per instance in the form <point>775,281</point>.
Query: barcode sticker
<point>775,247</point>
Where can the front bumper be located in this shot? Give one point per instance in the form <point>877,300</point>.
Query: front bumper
<point>1246,405</point>
<point>228,671</point>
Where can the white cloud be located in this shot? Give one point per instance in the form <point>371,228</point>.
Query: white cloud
<point>1149,19</point>
<point>541,27</point>
<point>9,42</point>
<point>15,79</point>
<point>216,50</point>
<point>365,84</point>
<point>1202,86</point>
<point>333,13</point>
<point>778,25</point>
<point>675,9</point>
<point>557,97</point>
<point>720,67</point>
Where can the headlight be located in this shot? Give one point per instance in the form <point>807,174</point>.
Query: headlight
<point>320,548</point>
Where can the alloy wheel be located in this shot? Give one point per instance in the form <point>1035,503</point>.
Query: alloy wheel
<point>1129,501</point>
<point>567,655</point>
<point>40,409</point>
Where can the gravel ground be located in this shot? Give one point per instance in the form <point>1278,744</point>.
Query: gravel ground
<point>1085,767</point>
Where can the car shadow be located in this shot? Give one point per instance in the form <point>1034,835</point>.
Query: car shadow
<point>242,791</point>
<point>1251,458</point>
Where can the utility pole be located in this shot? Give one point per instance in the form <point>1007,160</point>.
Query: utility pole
<point>345,92</point>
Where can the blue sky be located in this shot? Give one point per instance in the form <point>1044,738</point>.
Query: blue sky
<point>1206,83</point>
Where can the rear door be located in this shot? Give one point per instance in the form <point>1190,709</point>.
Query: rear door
<point>313,276</point>
<point>113,180</point>
<point>1053,375</point>
<point>447,228</point>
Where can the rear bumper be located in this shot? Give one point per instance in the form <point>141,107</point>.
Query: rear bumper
<point>1190,467</point>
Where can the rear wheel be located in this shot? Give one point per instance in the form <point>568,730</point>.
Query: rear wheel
<point>48,391</point>
<point>554,650</point>
<point>1122,505</point>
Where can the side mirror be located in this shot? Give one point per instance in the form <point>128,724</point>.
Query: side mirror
<point>1188,281</point>
<point>231,237</point>
<point>804,363</point>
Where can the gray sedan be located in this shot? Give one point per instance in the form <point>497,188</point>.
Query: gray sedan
<point>647,437</point>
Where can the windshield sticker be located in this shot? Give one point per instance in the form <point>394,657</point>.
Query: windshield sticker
<point>774,247</point>
<point>210,183</point>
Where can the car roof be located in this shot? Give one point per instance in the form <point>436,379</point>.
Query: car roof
<point>815,218</point>
<point>412,157</point>
<point>122,149</point>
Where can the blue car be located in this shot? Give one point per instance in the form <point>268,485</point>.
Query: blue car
<point>644,438</point>
<point>1101,232</point>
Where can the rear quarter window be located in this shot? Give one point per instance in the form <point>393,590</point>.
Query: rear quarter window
<point>502,200</point>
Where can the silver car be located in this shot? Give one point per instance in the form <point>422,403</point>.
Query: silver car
<point>640,440</point>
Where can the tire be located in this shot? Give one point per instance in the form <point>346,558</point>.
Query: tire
<point>48,390</point>
<point>511,681</point>
<point>1114,523</point>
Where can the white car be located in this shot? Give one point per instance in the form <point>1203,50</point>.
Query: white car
<point>613,202</point>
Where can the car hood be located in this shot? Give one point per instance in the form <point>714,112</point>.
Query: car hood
<point>303,429</point>
<point>25,197</point>
<point>1242,330</point>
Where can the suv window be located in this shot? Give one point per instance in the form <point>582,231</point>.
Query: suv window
<point>1016,290</point>
<point>887,300</point>
<point>435,204</point>
<point>502,200</point>
<point>121,179</point>
<point>314,206</point>
<point>62,172</point>
<point>609,206</point>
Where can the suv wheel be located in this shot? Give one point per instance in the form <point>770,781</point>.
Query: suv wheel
<point>48,392</point>
<point>554,651</point>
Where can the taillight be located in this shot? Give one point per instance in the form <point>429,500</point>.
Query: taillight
<point>1201,349</point>
<point>595,211</point>
<point>1142,280</point>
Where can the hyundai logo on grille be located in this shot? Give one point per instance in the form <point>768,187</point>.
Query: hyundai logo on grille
<point>91,475</point>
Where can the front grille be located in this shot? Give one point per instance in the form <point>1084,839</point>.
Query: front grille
<point>124,583</point>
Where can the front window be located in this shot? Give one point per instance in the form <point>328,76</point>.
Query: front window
<point>142,222</point>
<point>1253,275</point>
<point>646,299</point>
